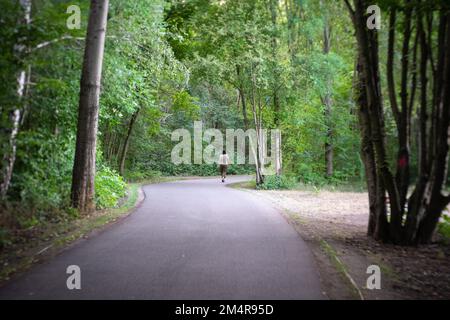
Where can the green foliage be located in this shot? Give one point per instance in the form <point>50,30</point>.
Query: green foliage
<point>43,170</point>
<point>274,182</point>
<point>444,227</point>
<point>109,188</point>
<point>143,78</point>
<point>138,176</point>
<point>230,47</point>
<point>184,103</point>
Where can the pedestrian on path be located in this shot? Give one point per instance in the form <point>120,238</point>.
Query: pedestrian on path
<point>224,161</point>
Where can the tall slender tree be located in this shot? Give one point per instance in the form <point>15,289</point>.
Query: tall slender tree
<point>326,98</point>
<point>126,144</point>
<point>84,166</point>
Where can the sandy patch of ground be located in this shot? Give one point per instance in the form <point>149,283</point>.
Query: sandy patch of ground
<point>334,224</point>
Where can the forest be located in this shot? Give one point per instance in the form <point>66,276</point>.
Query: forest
<point>91,92</point>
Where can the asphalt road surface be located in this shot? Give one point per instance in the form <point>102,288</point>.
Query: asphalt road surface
<point>192,239</point>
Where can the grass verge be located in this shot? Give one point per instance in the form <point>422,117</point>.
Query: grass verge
<point>251,184</point>
<point>345,187</point>
<point>340,266</point>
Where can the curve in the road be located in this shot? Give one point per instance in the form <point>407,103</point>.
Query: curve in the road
<point>194,239</point>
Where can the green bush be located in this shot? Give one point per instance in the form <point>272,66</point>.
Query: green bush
<point>43,172</point>
<point>277,183</point>
<point>309,175</point>
<point>241,169</point>
<point>141,175</point>
<point>109,188</point>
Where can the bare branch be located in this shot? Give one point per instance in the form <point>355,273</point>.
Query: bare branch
<point>47,43</point>
<point>350,9</point>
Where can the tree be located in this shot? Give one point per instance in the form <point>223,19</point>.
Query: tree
<point>84,164</point>
<point>16,115</point>
<point>326,99</point>
<point>413,217</point>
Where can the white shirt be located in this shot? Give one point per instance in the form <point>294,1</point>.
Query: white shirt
<point>223,159</point>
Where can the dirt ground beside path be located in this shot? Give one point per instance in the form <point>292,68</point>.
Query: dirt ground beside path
<point>334,224</point>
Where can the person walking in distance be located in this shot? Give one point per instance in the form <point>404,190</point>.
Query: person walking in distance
<point>224,161</point>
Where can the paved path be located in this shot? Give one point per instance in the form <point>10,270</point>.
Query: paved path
<point>193,239</point>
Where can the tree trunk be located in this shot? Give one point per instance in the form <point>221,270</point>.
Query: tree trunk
<point>377,226</point>
<point>403,116</point>
<point>123,154</point>
<point>293,15</point>
<point>242,96</point>
<point>84,165</point>
<point>427,202</point>
<point>435,202</point>
<point>403,155</point>
<point>276,98</point>
<point>416,198</point>
<point>327,101</point>
<point>257,119</point>
<point>368,51</point>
